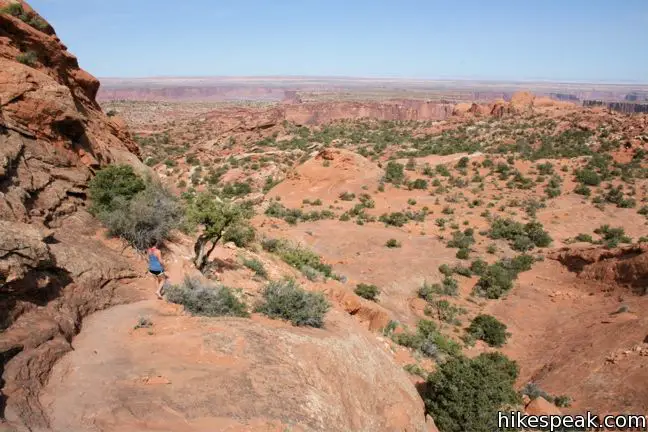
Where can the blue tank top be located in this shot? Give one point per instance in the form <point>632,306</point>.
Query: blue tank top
<point>154,263</point>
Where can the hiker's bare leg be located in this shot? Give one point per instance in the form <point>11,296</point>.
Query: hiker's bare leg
<point>160,281</point>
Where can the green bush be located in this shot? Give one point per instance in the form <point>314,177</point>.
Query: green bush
<point>545,168</point>
<point>256,266</point>
<point>478,266</point>
<point>521,237</point>
<point>462,240</point>
<point>428,341</point>
<point>287,300</point>
<point>397,219</point>
<point>369,292</point>
<point>394,173</point>
<point>584,238</point>
<point>142,213</point>
<point>465,394</point>
<point>447,287</point>
<point>463,254</point>
<point>347,196</point>
<point>393,243</point>
<point>297,256</point>
<point>488,329</point>
<point>201,298</point>
<point>497,279</point>
<point>419,184</point>
<point>581,189</point>
<point>112,186</point>
<point>588,177</point>
<point>612,236</point>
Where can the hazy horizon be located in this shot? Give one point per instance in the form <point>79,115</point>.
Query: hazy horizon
<point>381,78</point>
<point>596,41</point>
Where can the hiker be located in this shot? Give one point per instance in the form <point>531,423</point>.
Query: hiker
<point>156,268</point>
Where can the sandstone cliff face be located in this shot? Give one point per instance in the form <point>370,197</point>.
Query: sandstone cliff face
<point>53,135</point>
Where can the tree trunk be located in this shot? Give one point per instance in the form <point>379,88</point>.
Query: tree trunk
<point>202,255</point>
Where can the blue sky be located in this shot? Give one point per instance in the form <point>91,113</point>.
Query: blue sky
<point>574,40</point>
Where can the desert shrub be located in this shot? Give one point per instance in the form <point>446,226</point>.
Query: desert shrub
<point>256,266</point>
<point>297,256</point>
<point>463,254</point>
<point>367,291</point>
<point>16,9</point>
<point>142,213</point>
<point>112,186</point>
<point>347,196</point>
<point>202,298</point>
<point>143,322</point>
<point>445,270</point>
<point>521,237</point>
<point>584,238</point>
<point>581,189</point>
<point>28,58</point>
<point>241,234</point>
<point>428,341</point>
<point>285,299</point>
<point>419,184</point>
<point>415,369</point>
<point>393,243</point>
<point>497,279</point>
<point>534,391</point>
<point>465,394</point>
<point>394,173</point>
<point>488,329</point>
<point>588,177</point>
<point>462,271</point>
<point>447,287</point>
<point>397,219</point>
<point>462,240</point>
<point>478,266</point>
<point>444,311</point>
<point>310,273</point>
<point>611,237</point>
<point>237,189</point>
<point>546,168</point>
<point>463,162</point>
<point>147,219</point>
<point>562,401</point>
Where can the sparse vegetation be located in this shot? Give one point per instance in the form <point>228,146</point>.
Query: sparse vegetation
<point>611,237</point>
<point>141,212</point>
<point>256,266</point>
<point>428,341</point>
<point>497,279</point>
<point>488,329</point>
<point>297,256</point>
<point>367,291</point>
<point>521,237</point>
<point>204,298</point>
<point>28,58</point>
<point>285,299</point>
